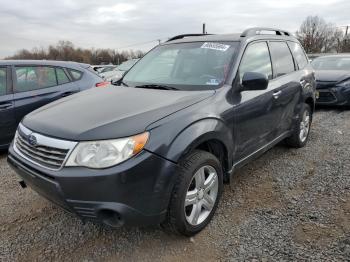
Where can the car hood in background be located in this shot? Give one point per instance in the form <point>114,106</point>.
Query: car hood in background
<point>332,75</point>
<point>112,112</point>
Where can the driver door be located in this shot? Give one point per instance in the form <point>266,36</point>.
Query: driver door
<point>253,109</point>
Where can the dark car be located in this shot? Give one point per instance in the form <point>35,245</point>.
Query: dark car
<point>333,79</point>
<point>158,148</point>
<point>27,85</point>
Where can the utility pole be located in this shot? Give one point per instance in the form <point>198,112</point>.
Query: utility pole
<point>204,31</point>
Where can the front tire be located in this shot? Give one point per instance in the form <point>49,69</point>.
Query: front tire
<point>301,131</point>
<point>196,193</point>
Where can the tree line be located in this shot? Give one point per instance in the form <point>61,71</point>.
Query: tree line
<point>318,36</point>
<point>315,34</point>
<point>66,51</point>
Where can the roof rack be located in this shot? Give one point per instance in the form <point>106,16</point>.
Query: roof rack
<point>185,35</point>
<point>257,30</point>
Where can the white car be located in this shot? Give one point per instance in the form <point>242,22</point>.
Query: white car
<point>119,71</point>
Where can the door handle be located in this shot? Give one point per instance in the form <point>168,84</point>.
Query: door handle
<point>277,94</point>
<point>5,106</point>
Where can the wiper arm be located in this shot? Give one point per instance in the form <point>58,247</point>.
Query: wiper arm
<point>123,83</point>
<point>119,82</point>
<point>154,86</point>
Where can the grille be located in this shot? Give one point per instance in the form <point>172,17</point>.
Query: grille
<point>44,151</point>
<point>44,155</point>
<point>326,96</point>
<point>325,84</point>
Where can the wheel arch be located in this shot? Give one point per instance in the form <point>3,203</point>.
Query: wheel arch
<point>311,102</point>
<point>210,135</point>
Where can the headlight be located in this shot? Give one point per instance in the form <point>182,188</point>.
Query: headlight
<point>106,153</point>
<point>345,83</point>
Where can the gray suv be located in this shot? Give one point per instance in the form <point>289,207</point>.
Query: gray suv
<point>157,148</point>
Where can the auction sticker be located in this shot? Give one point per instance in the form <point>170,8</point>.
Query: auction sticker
<point>213,82</point>
<point>215,46</point>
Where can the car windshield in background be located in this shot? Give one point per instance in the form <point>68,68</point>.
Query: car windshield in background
<point>125,66</point>
<point>108,69</point>
<point>331,63</point>
<point>184,66</point>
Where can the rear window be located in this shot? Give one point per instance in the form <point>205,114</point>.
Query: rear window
<point>76,75</point>
<point>282,59</point>
<point>298,54</point>
<point>2,81</point>
<point>34,77</point>
<point>62,78</point>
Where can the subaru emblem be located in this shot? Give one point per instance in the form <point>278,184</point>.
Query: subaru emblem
<point>32,140</point>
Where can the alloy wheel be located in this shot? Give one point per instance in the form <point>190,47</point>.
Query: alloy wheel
<point>201,195</point>
<point>304,126</point>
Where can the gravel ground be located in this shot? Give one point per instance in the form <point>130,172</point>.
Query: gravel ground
<point>287,205</point>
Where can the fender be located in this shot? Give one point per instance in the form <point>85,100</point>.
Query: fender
<point>191,137</point>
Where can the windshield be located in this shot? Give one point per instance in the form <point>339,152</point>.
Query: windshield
<point>184,66</point>
<point>331,63</point>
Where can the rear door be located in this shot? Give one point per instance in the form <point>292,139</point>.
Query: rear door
<point>7,115</point>
<point>35,86</point>
<point>286,87</point>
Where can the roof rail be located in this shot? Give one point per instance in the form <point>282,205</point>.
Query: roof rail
<point>183,36</point>
<point>257,30</point>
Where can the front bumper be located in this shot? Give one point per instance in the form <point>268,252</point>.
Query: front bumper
<point>333,96</point>
<point>136,192</point>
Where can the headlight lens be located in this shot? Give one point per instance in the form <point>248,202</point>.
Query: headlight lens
<point>106,153</point>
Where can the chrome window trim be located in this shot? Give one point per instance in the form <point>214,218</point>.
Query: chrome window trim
<point>45,141</point>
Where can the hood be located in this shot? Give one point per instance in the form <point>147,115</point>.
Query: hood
<point>107,113</point>
<point>331,75</point>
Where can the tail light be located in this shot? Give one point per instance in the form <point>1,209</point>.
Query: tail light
<point>102,84</point>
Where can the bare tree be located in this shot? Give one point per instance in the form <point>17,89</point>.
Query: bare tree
<point>316,35</point>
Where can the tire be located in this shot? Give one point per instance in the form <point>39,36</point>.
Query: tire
<point>301,130</point>
<point>199,180</point>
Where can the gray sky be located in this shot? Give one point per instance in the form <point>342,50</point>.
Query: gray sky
<point>119,24</point>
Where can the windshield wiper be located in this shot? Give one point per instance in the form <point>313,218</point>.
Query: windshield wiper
<point>123,83</point>
<point>119,83</point>
<point>154,86</point>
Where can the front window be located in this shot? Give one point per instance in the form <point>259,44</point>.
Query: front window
<point>331,63</point>
<point>184,66</point>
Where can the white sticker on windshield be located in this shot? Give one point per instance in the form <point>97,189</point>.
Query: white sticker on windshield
<point>215,46</point>
<point>213,82</point>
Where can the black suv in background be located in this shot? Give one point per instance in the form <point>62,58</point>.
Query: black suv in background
<point>333,79</point>
<point>26,85</point>
<point>157,149</point>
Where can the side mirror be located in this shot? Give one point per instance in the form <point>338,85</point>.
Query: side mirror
<point>254,81</point>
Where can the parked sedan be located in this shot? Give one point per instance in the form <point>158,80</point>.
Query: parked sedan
<point>27,85</point>
<point>333,79</point>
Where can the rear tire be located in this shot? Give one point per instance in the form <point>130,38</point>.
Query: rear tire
<point>302,128</point>
<point>196,193</point>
